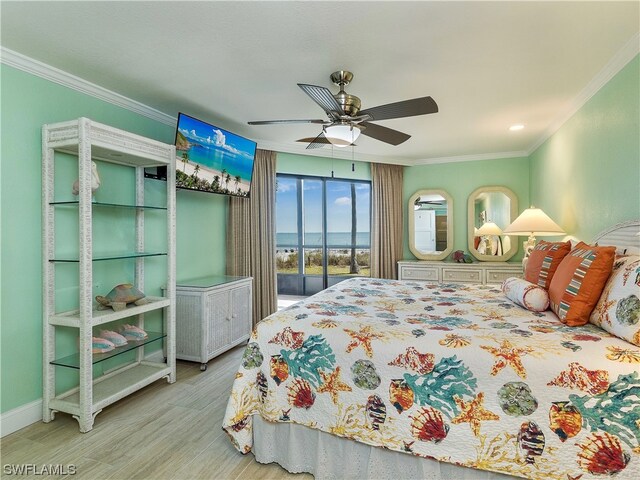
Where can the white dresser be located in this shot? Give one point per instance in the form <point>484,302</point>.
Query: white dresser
<point>213,314</point>
<point>452,272</point>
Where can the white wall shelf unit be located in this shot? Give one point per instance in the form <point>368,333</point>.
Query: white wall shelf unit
<point>213,315</point>
<point>88,141</point>
<point>452,272</point>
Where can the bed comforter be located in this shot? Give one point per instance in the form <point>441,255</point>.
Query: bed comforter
<point>455,373</point>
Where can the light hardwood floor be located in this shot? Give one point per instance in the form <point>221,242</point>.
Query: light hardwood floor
<point>163,431</point>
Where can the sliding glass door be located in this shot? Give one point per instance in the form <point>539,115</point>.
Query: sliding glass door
<point>323,232</point>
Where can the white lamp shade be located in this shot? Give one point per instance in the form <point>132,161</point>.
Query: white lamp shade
<point>342,135</point>
<point>533,221</point>
<point>488,228</point>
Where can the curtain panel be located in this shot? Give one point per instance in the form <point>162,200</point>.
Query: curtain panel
<point>251,236</point>
<point>386,224</point>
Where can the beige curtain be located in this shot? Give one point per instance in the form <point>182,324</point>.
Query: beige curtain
<point>386,229</point>
<point>251,236</point>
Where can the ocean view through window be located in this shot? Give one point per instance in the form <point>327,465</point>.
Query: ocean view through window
<point>323,232</point>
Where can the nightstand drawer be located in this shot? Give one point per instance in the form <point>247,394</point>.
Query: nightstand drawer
<point>419,273</point>
<point>461,275</point>
<point>499,276</point>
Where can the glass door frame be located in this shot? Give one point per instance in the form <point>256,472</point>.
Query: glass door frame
<point>300,245</point>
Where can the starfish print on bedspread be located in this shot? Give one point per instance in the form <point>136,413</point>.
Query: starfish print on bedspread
<point>473,412</point>
<point>507,354</point>
<point>332,384</point>
<point>363,337</point>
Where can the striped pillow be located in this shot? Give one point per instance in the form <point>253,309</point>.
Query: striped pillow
<point>543,262</point>
<point>578,282</point>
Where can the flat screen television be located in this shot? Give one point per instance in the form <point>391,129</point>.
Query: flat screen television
<point>211,159</point>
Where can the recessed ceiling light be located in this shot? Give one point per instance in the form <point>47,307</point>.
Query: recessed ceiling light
<point>514,128</point>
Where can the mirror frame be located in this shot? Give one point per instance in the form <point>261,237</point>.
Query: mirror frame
<point>471,224</point>
<point>412,227</point>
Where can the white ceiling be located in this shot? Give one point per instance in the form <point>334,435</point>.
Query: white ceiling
<point>488,65</point>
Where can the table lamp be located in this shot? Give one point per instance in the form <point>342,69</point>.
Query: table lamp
<point>533,221</point>
<point>486,230</point>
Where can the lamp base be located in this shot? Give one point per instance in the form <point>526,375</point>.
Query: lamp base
<point>528,247</point>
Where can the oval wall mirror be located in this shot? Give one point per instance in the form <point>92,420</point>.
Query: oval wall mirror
<point>430,214</point>
<point>490,210</point>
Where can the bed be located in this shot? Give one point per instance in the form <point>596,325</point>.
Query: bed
<point>401,379</point>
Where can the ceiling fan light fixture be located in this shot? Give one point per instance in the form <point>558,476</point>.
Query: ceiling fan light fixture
<point>342,135</point>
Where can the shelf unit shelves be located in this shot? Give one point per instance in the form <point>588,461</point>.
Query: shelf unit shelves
<point>88,141</point>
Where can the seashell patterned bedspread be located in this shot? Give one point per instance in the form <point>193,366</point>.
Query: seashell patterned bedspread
<point>456,373</point>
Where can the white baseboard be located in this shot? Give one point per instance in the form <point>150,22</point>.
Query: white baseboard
<point>20,417</point>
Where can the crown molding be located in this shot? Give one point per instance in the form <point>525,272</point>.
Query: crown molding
<point>471,158</point>
<point>627,53</point>
<point>29,65</point>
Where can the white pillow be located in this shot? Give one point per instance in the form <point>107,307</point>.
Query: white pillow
<point>618,310</point>
<point>526,294</point>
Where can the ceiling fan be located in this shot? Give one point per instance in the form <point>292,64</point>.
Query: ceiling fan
<point>346,120</point>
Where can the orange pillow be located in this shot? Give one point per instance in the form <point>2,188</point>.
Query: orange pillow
<point>578,282</point>
<point>543,262</point>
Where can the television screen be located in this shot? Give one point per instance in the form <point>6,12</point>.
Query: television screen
<point>211,159</point>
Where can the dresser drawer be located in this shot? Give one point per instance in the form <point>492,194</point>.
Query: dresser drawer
<point>419,273</point>
<point>465,275</point>
<point>499,276</point>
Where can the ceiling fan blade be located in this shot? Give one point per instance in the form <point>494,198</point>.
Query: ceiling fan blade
<point>318,142</point>
<point>406,108</point>
<point>384,134</point>
<point>323,140</point>
<point>278,122</point>
<point>323,97</point>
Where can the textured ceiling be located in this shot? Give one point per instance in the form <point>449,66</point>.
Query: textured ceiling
<point>488,65</point>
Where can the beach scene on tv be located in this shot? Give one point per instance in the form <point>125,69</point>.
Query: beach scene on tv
<point>211,159</point>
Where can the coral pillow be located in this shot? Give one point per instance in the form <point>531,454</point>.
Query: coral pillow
<point>618,311</point>
<point>526,294</point>
<point>578,282</point>
<point>543,262</point>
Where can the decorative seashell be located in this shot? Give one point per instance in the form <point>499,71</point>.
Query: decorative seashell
<point>516,399</point>
<point>427,425</point>
<point>422,363</point>
<point>95,181</point>
<point>263,387</point>
<point>400,394</point>
<point>279,369</point>
<point>114,337</point>
<point>364,375</point>
<point>133,333</point>
<point>326,323</point>
<point>376,411</point>
<point>241,425</point>
<point>571,346</point>
<point>531,441</point>
<point>565,420</point>
<point>300,394</point>
<point>628,310</point>
<point>593,382</point>
<point>101,345</point>
<point>585,337</point>
<point>288,338</point>
<point>453,340</point>
<point>601,454</point>
<point>252,356</point>
<point>418,332</point>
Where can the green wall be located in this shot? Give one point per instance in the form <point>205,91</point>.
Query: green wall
<point>586,177</point>
<point>28,102</point>
<point>459,180</point>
